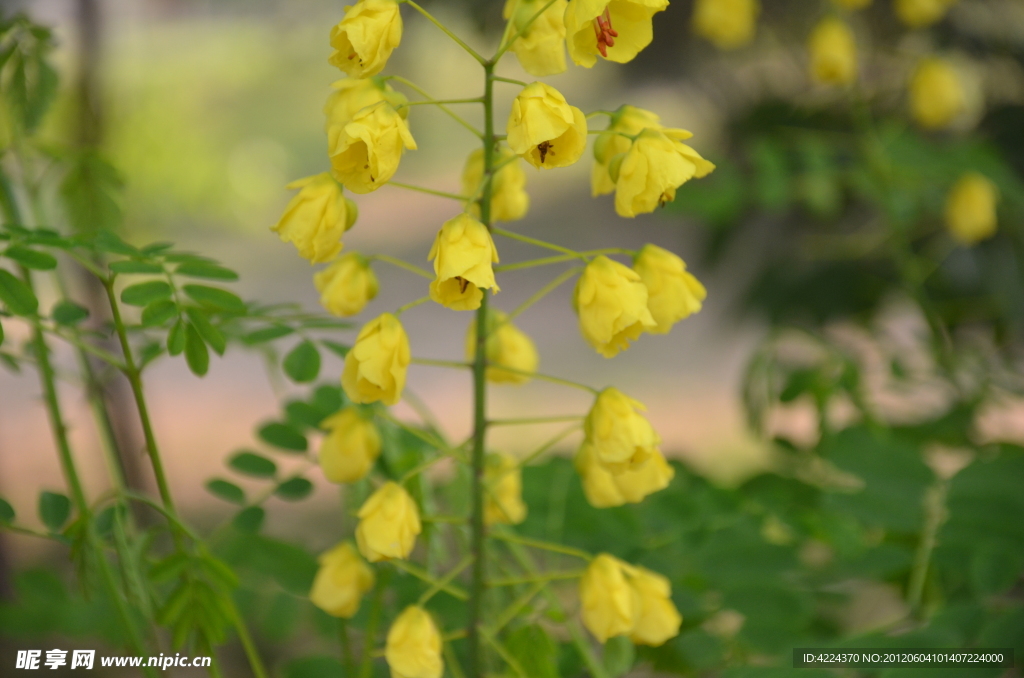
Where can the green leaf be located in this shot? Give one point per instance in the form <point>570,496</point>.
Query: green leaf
<point>7,513</point>
<point>176,338</point>
<point>249,519</point>
<point>169,568</point>
<point>149,352</point>
<point>199,269</point>
<point>91,192</point>
<point>29,258</point>
<point>215,297</point>
<point>156,248</point>
<point>304,414</point>
<point>619,655</point>
<point>252,464</point>
<point>535,651</point>
<point>16,295</point>
<point>67,312</point>
<point>143,294</point>
<point>196,355</point>
<point>1,334</point>
<point>328,399</point>
<point>226,491</point>
<point>314,667</point>
<point>107,241</point>
<point>54,510</point>
<point>136,267</point>
<point>283,436</point>
<point>159,312</point>
<point>206,330</point>
<point>294,489</point>
<point>341,350</point>
<point>266,334</point>
<point>302,363</point>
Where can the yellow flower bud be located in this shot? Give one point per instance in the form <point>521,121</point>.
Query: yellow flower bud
<point>351,447</point>
<point>545,129</point>
<point>462,254</point>
<point>541,48</point>
<point>920,13</point>
<point>377,363</point>
<point>609,144</point>
<point>509,201</point>
<point>672,292</point>
<point>347,285</point>
<point>657,618</point>
<point>833,53</point>
<point>621,437</point>
<point>341,581</point>
<point>349,96</point>
<point>413,648</point>
<point>504,502</point>
<point>610,605</point>
<point>615,29</point>
<point>728,24</point>
<point>611,302</point>
<point>936,94</point>
<point>388,524</point>
<point>508,346</point>
<point>604,489</point>
<point>971,209</point>
<point>315,219</point>
<point>367,150</point>
<point>852,5</point>
<point>656,164</point>
<point>366,36</point>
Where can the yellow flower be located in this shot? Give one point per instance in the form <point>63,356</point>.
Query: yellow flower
<point>852,5</point>
<point>388,524</point>
<point>504,502</point>
<point>609,603</point>
<point>541,48</point>
<point>726,23</point>
<point>611,302</point>
<point>351,447</point>
<point>341,581</point>
<point>376,365</point>
<point>656,164</point>
<point>413,648</point>
<point>462,254</point>
<point>507,346</point>
<point>509,201</point>
<point>615,29</point>
<point>620,437</point>
<point>545,129</point>
<point>316,218</point>
<point>657,618</point>
<point>368,148</point>
<point>604,489</point>
<point>936,94</point>
<point>971,209</point>
<point>920,13</point>
<point>366,36</point>
<point>672,292</point>
<point>347,285</point>
<point>349,96</point>
<point>833,53</point>
<point>610,143</point>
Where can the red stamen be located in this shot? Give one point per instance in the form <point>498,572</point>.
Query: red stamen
<point>605,33</point>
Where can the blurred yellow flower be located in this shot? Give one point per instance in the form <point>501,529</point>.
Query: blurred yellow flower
<point>509,200</point>
<point>316,218</point>
<point>368,148</point>
<point>504,502</point>
<point>833,53</point>
<point>413,647</point>
<point>971,208</point>
<point>388,524</point>
<point>620,437</point>
<point>347,285</point>
<point>609,603</point>
<point>936,94</point>
<point>341,581</point>
<point>672,291</point>
<point>350,448</point>
<point>920,13</point>
<point>462,254</point>
<point>611,302</point>
<point>541,47</point>
<point>545,129</point>
<point>627,120</point>
<point>656,164</point>
<point>604,489</point>
<point>615,29</point>
<point>726,23</point>
<point>364,39</point>
<point>376,365</point>
<point>657,618</point>
<point>507,346</point>
<point>349,96</point>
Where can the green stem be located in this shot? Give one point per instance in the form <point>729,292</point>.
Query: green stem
<point>534,420</point>
<point>539,243</point>
<point>376,608</point>
<point>544,545</point>
<point>450,589</point>
<point>454,116</point>
<point>412,268</point>
<point>535,578</point>
<point>346,648</point>
<point>532,263</point>
<point>520,30</point>
<point>441,363</point>
<point>546,377</point>
<point>444,581</point>
<point>412,304</point>
<point>457,39</point>
<point>516,607</point>
<point>543,292</point>
<point>511,81</point>
<point>251,653</point>
<point>429,191</point>
<point>934,516</point>
<point>426,102</point>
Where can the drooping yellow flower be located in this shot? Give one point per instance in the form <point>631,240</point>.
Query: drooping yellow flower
<point>545,129</point>
<point>413,647</point>
<point>541,46</point>
<point>367,149</point>
<point>657,618</point>
<point>728,24</point>
<point>936,94</point>
<point>341,581</point>
<point>349,96</point>
<point>609,603</point>
<point>504,502</point>
<point>852,5</point>
<point>351,447</point>
<point>376,365</point>
<point>615,29</point>
<point>971,209</point>
<point>833,53</point>
<point>507,346</point>
<point>610,143</point>
<point>316,218</point>
<point>920,13</point>
<point>388,524</point>
<point>611,302</point>
<point>509,200</point>
<point>672,291</point>
<point>364,39</point>
<point>347,285</point>
<point>604,489</point>
<point>656,164</point>
<point>620,437</point>
<point>462,254</point>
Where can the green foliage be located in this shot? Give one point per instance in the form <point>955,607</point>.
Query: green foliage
<point>91,192</point>
<point>54,510</point>
<point>27,80</point>
<point>16,295</point>
<point>302,363</point>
